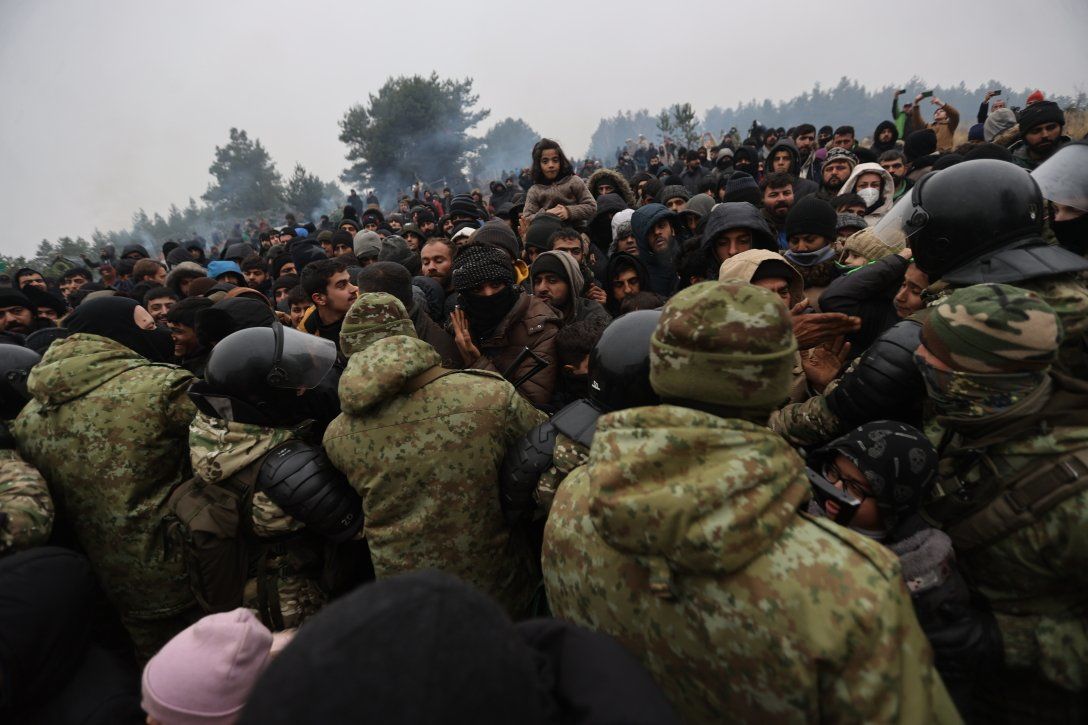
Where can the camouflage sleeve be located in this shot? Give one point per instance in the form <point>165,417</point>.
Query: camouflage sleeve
<point>178,409</point>
<point>521,417</point>
<point>269,520</point>
<point>889,676</point>
<point>568,455</point>
<point>808,423</point>
<point>26,508</point>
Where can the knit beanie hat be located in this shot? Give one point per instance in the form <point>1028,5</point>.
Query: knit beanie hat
<point>205,673</point>
<point>498,233</point>
<point>1034,97</point>
<point>367,244</point>
<point>867,244</point>
<point>919,144</point>
<point>992,329</point>
<point>562,265</point>
<point>1035,114</point>
<point>463,205</point>
<point>850,221</point>
<point>673,192</point>
<point>11,297</point>
<point>975,133</point>
<point>479,263</point>
<point>341,236</point>
<point>325,235</point>
<point>621,224</point>
<point>373,316</point>
<point>997,123</point>
<point>395,249</point>
<point>540,230</point>
<point>812,216</point>
<point>741,186</point>
<point>724,343</point>
<point>841,154</point>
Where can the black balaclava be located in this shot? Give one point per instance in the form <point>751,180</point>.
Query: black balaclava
<point>111,317</point>
<point>1072,234</point>
<point>900,464</point>
<point>485,313</point>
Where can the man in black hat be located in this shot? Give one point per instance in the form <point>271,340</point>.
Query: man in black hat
<point>16,312</point>
<point>1041,127</point>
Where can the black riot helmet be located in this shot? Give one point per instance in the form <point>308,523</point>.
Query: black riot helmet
<point>619,364</point>
<point>978,221</point>
<point>272,376</point>
<point>15,364</point>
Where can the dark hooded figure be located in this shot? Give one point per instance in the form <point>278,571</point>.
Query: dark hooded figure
<point>625,277</point>
<point>658,245</point>
<point>115,318</point>
<point>719,245</point>
<point>785,145</point>
<point>885,137</point>
<point>425,647</point>
<point>600,227</point>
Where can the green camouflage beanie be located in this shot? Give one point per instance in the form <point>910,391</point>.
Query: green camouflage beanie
<point>724,343</point>
<point>992,329</point>
<point>373,316</point>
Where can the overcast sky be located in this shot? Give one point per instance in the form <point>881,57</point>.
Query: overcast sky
<point>112,106</point>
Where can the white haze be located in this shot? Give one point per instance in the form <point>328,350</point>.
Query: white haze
<point>113,106</point>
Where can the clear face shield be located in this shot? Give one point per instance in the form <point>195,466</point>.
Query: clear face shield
<point>1063,178</point>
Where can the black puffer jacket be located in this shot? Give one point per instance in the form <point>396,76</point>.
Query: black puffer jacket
<point>867,293</point>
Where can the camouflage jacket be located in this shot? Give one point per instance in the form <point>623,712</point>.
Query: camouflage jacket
<point>26,508</point>
<point>568,455</point>
<point>107,429</point>
<point>813,422</point>
<point>426,465</point>
<point>682,539</point>
<point>1035,578</point>
<point>220,450</point>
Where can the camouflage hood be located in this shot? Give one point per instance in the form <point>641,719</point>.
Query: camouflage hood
<point>380,371</point>
<point>704,494</point>
<point>219,449</point>
<point>78,364</point>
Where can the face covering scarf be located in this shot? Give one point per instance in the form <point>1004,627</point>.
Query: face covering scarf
<point>973,395</point>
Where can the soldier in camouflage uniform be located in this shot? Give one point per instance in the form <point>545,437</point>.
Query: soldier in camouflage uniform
<point>422,446</point>
<point>107,428</point>
<point>682,538</point>
<point>26,508</point>
<point>253,434</point>
<point>1012,434</point>
<point>979,221</point>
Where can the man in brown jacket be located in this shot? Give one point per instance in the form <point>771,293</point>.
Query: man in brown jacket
<point>498,327</point>
<point>945,121</point>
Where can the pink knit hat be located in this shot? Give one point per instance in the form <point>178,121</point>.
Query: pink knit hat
<point>205,673</point>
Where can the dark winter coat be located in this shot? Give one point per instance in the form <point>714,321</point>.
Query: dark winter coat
<point>660,265</point>
<point>533,324</point>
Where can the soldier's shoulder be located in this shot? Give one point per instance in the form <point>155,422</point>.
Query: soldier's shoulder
<point>850,547</point>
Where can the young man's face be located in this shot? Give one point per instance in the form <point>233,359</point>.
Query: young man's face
<point>778,201</point>
<point>16,319</point>
<point>436,262</point>
<point>835,174</point>
<point>782,161</point>
<point>298,311</point>
<point>573,247</point>
<point>843,141</point>
<point>68,285</point>
<point>413,241</point>
<point>158,279</point>
<point>1043,138</point>
<point>280,294</point>
<point>909,298</point>
<point>895,167</point>
<point>660,235</point>
<point>255,277</point>
<point>605,188</point>
<point>185,342</point>
<point>159,306</point>
<point>32,280</point>
<point>552,289</point>
<point>805,143</point>
<point>807,242</point>
<point>627,245</point>
<point>732,242</point>
<point>625,284</point>
<point>780,287</point>
<point>693,164</point>
<point>339,294</point>
<point>676,204</point>
<point>885,136</point>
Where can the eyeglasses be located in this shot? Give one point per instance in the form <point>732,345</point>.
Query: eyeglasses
<point>855,488</point>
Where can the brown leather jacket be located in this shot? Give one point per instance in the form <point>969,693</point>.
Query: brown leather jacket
<point>533,324</point>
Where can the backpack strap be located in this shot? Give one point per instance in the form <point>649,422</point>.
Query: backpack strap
<point>1024,502</point>
<point>425,378</point>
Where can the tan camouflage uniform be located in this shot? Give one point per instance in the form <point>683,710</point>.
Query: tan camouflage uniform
<point>568,455</point>
<point>26,508</point>
<point>426,462</point>
<point>107,429</point>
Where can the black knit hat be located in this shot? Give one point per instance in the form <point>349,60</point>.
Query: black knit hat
<point>342,237</point>
<point>742,186</point>
<point>463,205</point>
<point>919,144</point>
<point>673,192</point>
<point>812,216</point>
<point>498,233</point>
<point>479,263</point>
<point>11,297</point>
<point>541,230</point>
<point>550,264</point>
<point>1040,112</point>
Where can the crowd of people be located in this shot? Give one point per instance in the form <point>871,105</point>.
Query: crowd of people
<point>793,429</point>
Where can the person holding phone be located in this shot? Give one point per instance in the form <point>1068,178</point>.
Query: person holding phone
<point>946,119</point>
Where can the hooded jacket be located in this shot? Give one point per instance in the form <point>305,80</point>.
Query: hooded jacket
<point>736,215</point>
<point>728,591</point>
<point>801,186</point>
<point>616,263</point>
<point>660,265</point>
<point>878,147</point>
<point>578,308</point>
<point>108,430</point>
<point>887,192</point>
<point>533,324</point>
<point>623,189</point>
<point>600,228</point>
<point>426,466</point>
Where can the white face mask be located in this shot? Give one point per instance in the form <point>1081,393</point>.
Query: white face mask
<point>869,196</point>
